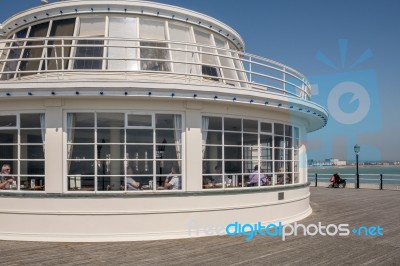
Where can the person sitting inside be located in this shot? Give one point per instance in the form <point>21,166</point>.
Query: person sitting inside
<point>255,176</point>
<point>172,180</point>
<point>217,178</point>
<point>6,180</point>
<point>280,177</point>
<point>131,184</point>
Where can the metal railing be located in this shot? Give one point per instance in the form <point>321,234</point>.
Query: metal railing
<point>371,181</point>
<point>44,57</point>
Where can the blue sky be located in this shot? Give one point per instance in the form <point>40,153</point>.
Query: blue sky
<point>331,42</point>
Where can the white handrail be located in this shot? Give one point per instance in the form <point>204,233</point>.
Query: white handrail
<point>252,70</point>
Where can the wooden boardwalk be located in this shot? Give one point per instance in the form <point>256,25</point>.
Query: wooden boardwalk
<point>330,206</point>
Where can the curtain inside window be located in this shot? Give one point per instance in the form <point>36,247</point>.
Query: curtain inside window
<point>70,135</point>
<point>178,137</point>
<point>204,127</point>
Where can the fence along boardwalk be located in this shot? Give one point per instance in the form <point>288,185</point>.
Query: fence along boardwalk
<point>330,206</point>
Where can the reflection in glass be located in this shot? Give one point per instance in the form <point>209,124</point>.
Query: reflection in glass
<point>110,120</point>
<point>81,167</point>
<point>31,167</point>
<point>80,183</point>
<point>278,129</point>
<point>250,125</point>
<point>8,136</point>
<point>233,138</point>
<point>139,136</point>
<point>11,66</point>
<point>110,135</point>
<point>140,120</point>
<point>232,124</point>
<point>37,31</point>
<point>65,28</point>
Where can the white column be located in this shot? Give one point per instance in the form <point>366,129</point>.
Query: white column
<point>54,175</point>
<point>193,150</point>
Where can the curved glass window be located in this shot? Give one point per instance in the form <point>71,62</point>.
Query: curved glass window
<point>34,54</point>
<point>240,153</point>
<point>124,152</point>
<point>22,138</point>
<point>58,48</point>
<point>90,27</point>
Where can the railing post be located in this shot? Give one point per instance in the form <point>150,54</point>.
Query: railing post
<point>250,69</point>
<point>316,180</point>
<point>381,183</point>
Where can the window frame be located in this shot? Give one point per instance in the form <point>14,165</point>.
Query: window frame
<point>125,161</point>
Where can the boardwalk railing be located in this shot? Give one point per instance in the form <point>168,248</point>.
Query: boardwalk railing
<point>371,181</point>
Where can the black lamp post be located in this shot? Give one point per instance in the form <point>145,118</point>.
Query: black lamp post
<point>357,151</point>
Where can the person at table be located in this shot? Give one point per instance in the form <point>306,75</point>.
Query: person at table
<point>280,177</point>
<point>6,179</point>
<point>217,178</point>
<point>172,180</point>
<point>255,176</point>
<point>131,184</point>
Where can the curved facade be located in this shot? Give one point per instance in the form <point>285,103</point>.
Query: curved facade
<point>132,113</point>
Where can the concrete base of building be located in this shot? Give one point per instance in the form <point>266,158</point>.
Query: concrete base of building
<point>134,217</point>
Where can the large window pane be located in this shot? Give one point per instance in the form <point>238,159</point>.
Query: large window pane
<point>82,136</point>
<point>81,167</point>
<point>31,136</point>
<point>90,27</point>
<point>32,121</point>
<point>127,28</point>
<point>8,136</point>
<point>82,119</point>
<point>60,28</point>
<point>140,120</point>
<point>33,152</point>
<point>181,33</point>
<point>8,121</point>
<point>11,66</point>
<point>213,152</point>
<point>213,137</point>
<point>233,152</point>
<point>110,120</point>
<point>139,136</point>
<point>139,152</point>
<point>81,151</point>
<point>32,167</point>
<point>110,135</point>
<point>106,151</point>
<point>278,129</point>
<point>215,123</point>
<point>232,124</point>
<point>266,127</point>
<point>80,183</point>
<point>37,31</point>
<point>8,152</point>
<point>233,138</point>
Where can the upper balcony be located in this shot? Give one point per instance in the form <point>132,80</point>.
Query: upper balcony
<point>138,44</point>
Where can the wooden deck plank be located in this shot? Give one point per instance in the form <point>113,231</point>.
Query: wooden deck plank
<point>330,206</point>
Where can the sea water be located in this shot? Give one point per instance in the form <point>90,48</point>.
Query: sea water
<point>368,174</point>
